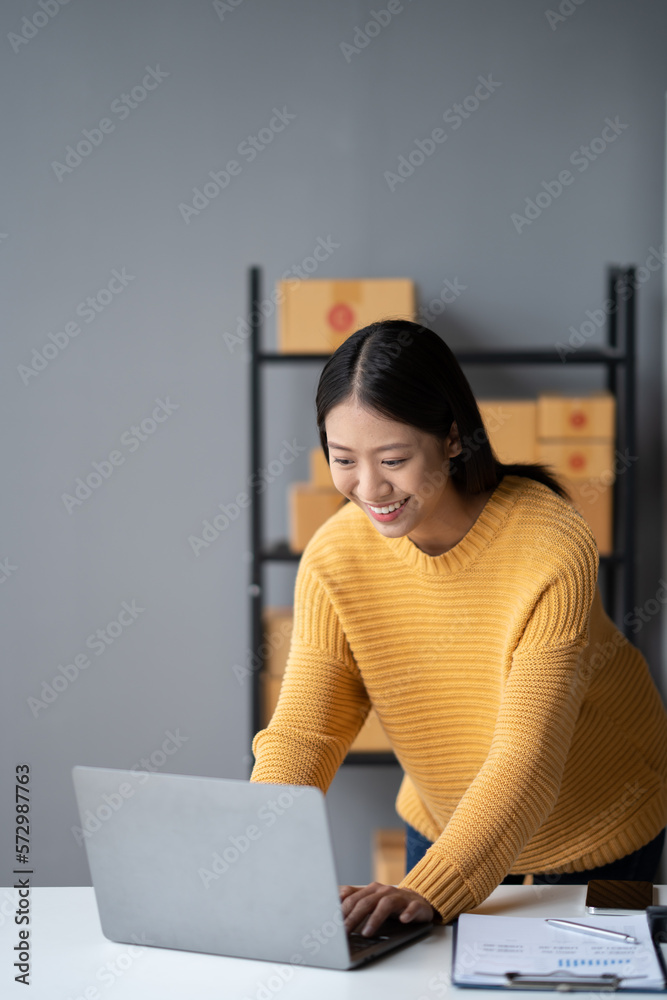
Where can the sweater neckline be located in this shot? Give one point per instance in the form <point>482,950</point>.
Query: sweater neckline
<point>473,542</point>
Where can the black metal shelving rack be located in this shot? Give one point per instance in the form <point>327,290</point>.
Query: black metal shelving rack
<point>617,357</point>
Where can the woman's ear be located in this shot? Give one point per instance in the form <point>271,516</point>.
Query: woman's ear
<point>453,441</point>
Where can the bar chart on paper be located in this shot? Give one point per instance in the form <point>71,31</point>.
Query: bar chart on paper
<point>489,949</point>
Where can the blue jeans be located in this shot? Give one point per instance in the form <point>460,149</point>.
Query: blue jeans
<point>641,865</point>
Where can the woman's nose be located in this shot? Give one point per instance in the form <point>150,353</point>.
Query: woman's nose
<point>373,485</point>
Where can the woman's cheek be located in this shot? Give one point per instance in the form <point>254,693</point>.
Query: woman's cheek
<point>340,481</point>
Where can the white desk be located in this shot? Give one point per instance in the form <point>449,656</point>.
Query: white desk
<point>71,956</point>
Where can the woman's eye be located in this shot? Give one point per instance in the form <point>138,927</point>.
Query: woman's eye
<point>389,461</point>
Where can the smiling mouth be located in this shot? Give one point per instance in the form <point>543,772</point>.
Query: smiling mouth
<point>388,508</point>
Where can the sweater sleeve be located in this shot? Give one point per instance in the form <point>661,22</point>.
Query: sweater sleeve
<point>323,701</point>
<point>516,788</point>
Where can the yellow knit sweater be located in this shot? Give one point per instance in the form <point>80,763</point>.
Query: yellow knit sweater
<point>530,733</point>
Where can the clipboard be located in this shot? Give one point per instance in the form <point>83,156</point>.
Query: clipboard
<point>485,944</point>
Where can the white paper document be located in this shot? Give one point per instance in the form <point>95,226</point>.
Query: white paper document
<point>488,948</point>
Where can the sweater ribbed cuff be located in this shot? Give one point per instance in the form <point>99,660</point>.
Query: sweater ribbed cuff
<point>440,883</point>
<point>294,758</point>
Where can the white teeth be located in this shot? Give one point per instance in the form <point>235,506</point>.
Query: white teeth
<point>386,510</point>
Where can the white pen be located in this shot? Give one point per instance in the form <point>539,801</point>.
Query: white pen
<point>570,925</point>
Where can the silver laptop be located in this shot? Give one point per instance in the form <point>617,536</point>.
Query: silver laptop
<point>222,866</point>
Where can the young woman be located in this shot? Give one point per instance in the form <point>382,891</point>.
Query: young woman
<point>458,596</point>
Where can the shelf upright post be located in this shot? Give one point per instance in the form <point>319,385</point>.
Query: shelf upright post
<point>613,275</point>
<point>611,575</point>
<point>255,587</point>
<point>630,442</point>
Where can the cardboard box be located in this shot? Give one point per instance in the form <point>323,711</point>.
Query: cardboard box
<point>315,316</point>
<point>309,507</point>
<point>511,426</point>
<point>594,501</point>
<point>320,472</point>
<point>579,459</point>
<point>277,623</point>
<point>591,416</point>
<point>371,737</point>
<point>576,437</point>
<point>389,856</point>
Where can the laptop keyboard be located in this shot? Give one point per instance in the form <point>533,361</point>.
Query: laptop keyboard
<point>359,941</point>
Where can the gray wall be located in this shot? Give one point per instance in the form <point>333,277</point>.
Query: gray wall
<point>68,568</point>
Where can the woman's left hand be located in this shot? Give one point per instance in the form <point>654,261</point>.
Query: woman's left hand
<point>377,902</point>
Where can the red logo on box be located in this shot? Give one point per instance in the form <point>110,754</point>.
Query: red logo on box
<point>340,317</point>
<point>578,418</point>
<point>577,461</point>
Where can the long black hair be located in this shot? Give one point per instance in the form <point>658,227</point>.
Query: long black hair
<point>407,373</point>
